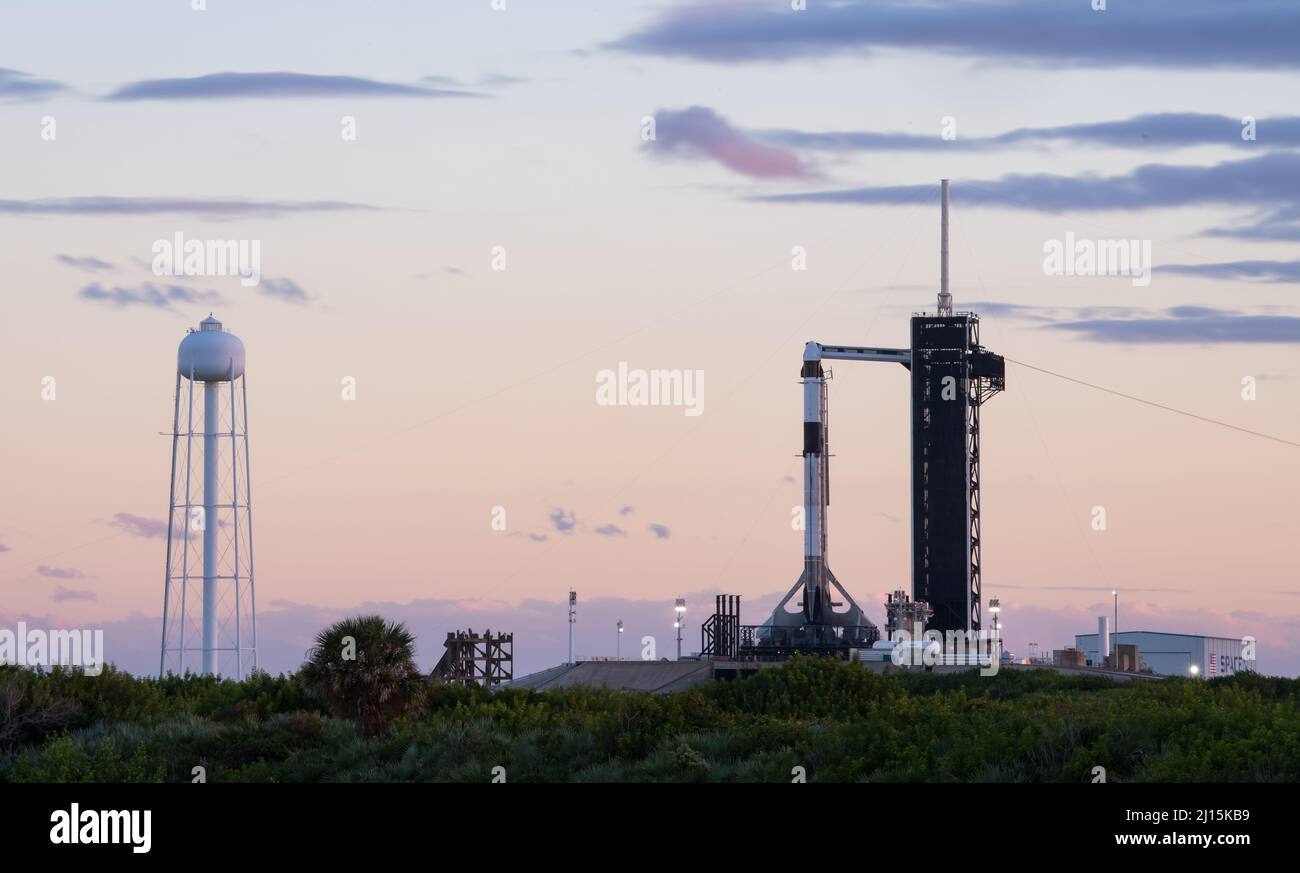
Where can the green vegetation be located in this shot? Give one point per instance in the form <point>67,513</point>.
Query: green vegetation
<point>838,721</point>
<point>364,668</point>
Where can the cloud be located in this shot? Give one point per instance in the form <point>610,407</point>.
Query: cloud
<point>59,572</point>
<point>139,526</point>
<point>62,594</point>
<point>1271,180</point>
<point>1178,324</point>
<point>1189,324</point>
<point>1187,34</point>
<point>1012,310</point>
<point>660,531</point>
<point>626,510</point>
<point>1163,130</point>
<point>490,80</point>
<point>19,87</point>
<point>700,133</point>
<point>285,290</point>
<point>611,530</point>
<point>1280,226</point>
<point>275,85</point>
<point>1262,271</point>
<point>286,629</point>
<point>1128,589</point>
<point>147,294</point>
<point>188,206</point>
<point>4,548</point>
<point>89,264</point>
<point>564,522</point>
<point>445,271</point>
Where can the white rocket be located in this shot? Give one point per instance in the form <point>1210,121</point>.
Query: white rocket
<point>817,582</point>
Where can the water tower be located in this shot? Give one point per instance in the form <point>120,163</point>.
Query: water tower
<point>209,612</point>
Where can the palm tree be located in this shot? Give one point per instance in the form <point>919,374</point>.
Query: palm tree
<point>364,668</point>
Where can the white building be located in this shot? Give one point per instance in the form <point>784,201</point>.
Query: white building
<point>1180,654</point>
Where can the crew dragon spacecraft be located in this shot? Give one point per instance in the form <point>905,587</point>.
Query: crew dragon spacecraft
<point>952,375</point>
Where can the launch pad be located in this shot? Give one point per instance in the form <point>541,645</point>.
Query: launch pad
<point>952,376</point>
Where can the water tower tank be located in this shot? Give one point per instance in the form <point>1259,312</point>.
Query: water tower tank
<point>210,354</point>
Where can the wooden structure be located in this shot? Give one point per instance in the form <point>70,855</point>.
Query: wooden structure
<point>485,659</point>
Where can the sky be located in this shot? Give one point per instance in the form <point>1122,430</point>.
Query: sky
<point>472,209</point>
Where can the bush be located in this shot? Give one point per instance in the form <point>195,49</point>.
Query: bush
<point>837,721</point>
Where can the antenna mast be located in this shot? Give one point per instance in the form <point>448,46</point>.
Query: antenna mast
<point>945,298</point>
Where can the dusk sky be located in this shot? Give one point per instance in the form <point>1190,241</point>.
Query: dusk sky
<point>391,157</point>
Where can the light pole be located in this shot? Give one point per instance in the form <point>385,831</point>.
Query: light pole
<point>1114,650</point>
<point>573,616</point>
<point>618,646</point>
<point>995,606</point>
<point>679,610</point>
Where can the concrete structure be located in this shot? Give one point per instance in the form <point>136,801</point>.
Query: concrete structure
<point>1126,658</point>
<point>658,677</point>
<point>664,677</point>
<point>1180,654</point>
<point>1068,658</point>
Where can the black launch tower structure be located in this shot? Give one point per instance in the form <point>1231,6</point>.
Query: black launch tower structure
<point>952,377</point>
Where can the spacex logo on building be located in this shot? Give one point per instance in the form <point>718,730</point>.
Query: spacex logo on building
<point>111,827</point>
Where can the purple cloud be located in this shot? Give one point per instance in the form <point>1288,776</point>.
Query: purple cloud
<point>214,209</point>
<point>1192,34</point>
<point>285,629</point>
<point>284,290</point>
<point>1267,180</point>
<point>660,531</point>
<point>1177,324</point>
<point>19,87</point>
<point>699,133</point>
<point>611,530</point>
<point>1155,130</point>
<point>59,573</point>
<point>1188,324</point>
<point>1256,270</point>
<point>62,594</point>
<point>563,521</point>
<point>147,294</point>
<point>274,85</point>
<point>89,263</point>
<point>139,526</point>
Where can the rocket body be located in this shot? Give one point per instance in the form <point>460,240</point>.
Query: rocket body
<point>816,594</point>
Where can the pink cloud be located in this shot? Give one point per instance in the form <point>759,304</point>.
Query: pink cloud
<point>699,133</point>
